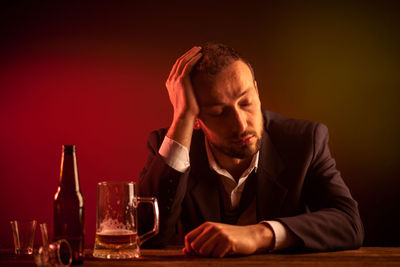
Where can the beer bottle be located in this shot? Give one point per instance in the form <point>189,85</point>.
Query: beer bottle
<point>68,205</point>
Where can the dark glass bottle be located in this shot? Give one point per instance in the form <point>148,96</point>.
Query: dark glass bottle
<point>68,206</point>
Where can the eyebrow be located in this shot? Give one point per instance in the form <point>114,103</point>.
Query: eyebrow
<point>221,104</point>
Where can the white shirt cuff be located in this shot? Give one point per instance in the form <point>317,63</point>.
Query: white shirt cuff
<point>175,155</point>
<point>284,239</point>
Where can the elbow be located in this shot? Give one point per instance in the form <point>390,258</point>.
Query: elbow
<point>356,232</point>
<point>358,235</point>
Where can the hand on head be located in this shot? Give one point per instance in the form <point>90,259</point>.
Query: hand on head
<point>179,86</point>
<point>182,97</point>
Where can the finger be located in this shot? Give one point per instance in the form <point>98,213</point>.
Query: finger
<point>195,232</point>
<point>184,61</point>
<point>209,245</point>
<point>188,249</point>
<point>189,237</point>
<point>194,48</point>
<point>189,253</point>
<point>179,60</point>
<point>189,53</point>
<point>222,249</point>
<point>189,66</point>
<point>202,238</point>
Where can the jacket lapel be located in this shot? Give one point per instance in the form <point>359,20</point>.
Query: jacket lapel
<point>205,187</point>
<point>270,193</point>
<point>206,195</point>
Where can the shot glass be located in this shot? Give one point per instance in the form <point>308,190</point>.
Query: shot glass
<point>57,254</point>
<point>23,234</point>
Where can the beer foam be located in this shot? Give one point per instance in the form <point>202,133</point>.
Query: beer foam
<point>114,232</point>
<point>109,224</point>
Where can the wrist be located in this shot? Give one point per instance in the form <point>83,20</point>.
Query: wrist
<point>181,130</point>
<point>264,237</point>
<point>185,117</point>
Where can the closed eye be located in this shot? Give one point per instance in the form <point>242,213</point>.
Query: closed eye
<point>216,113</point>
<point>245,103</point>
<point>213,111</point>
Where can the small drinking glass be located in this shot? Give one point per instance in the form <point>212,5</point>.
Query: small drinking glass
<point>57,254</point>
<point>23,234</point>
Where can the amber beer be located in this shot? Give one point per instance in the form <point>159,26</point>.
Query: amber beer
<point>125,241</point>
<point>116,237</point>
<point>69,206</point>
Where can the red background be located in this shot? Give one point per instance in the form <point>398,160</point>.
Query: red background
<point>92,74</point>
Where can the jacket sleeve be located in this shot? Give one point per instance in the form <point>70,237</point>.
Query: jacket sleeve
<point>332,221</point>
<point>159,180</point>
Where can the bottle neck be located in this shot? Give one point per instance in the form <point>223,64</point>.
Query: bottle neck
<point>69,180</point>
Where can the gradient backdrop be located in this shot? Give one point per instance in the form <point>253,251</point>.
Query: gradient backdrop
<point>93,73</point>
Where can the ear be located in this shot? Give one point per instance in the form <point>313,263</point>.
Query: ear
<point>196,125</point>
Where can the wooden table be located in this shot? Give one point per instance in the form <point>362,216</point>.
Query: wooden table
<point>366,256</point>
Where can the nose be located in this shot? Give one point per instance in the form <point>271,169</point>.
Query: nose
<point>238,120</point>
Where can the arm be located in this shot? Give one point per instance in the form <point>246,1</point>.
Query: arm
<point>333,222</point>
<point>182,97</point>
<point>168,185</point>
<point>157,178</point>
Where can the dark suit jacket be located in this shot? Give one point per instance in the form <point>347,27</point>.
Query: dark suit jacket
<point>297,184</point>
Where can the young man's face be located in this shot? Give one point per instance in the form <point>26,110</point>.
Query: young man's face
<point>230,112</point>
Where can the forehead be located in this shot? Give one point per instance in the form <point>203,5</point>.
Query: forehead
<point>227,85</point>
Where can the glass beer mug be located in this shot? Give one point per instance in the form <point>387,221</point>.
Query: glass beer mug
<point>116,221</point>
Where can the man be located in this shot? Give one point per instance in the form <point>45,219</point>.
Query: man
<point>239,179</point>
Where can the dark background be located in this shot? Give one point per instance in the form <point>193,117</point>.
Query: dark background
<point>92,73</point>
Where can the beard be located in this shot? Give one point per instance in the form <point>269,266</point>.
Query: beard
<point>241,152</point>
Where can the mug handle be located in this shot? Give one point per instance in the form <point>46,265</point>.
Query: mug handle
<point>154,231</point>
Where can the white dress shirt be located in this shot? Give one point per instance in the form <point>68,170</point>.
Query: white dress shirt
<point>177,157</point>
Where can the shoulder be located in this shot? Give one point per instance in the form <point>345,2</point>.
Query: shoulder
<point>278,125</point>
<point>294,136</point>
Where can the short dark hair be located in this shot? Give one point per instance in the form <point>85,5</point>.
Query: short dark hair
<point>216,56</point>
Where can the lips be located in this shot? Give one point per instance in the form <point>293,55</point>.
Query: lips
<point>245,140</point>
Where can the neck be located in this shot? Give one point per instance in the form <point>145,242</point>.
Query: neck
<point>235,166</point>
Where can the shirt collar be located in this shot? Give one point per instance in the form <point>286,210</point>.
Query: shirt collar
<point>218,169</point>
